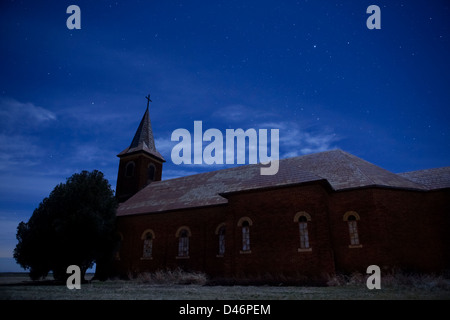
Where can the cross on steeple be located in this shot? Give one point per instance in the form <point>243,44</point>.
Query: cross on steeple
<point>148,100</point>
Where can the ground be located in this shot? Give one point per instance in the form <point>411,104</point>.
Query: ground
<point>19,287</point>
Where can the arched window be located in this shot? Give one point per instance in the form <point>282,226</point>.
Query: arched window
<point>129,169</point>
<point>183,244</point>
<point>245,224</point>
<point>183,235</point>
<point>245,236</point>
<point>352,217</point>
<point>302,219</point>
<point>353,230</point>
<point>221,241</point>
<point>147,236</point>
<point>303,228</point>
<point>151,173</point>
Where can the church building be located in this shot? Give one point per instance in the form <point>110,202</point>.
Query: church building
<point>321,214</point>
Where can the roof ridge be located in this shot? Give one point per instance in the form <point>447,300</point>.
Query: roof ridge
<point>353,157</point>
<point>432,178</point>
<point>243,166</point>
<point>427,169</point>
<point>370,178</point>
<point>316,153</point>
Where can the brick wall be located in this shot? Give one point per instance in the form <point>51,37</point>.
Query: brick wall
<point>274,236</point>
<point>397,229</point>
<point>201,223</point>
<point>417,225</point>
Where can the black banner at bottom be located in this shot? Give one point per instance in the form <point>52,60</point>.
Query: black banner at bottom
<point>218,309</point>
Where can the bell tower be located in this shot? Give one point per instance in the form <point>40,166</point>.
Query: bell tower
<point>140,163</point>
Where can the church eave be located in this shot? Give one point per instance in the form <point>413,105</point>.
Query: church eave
<point>321,181</point>
<point>379,186</point>
<point>138,212</point>
<point>129,152</point>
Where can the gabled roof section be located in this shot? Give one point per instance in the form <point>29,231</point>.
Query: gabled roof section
<point>143,139</point>
<point>339,169</point>
<point>432,179</point>
<point>206,189</point>
<point>346,171</point>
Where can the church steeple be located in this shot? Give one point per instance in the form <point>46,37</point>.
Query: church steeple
<point>144,134</point>
<point>140,163</point>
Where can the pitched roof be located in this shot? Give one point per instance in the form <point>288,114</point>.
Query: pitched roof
<point>340,169</point>
<point>205,189</point>
<point>143,139</point>
<point>346,171</point>
<point>432,179</point>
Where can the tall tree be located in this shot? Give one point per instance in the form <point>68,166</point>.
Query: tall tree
<point>74,225</point>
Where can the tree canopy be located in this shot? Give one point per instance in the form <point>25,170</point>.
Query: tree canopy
<point>74,225</point>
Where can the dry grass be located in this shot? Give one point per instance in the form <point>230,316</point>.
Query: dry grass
<point>395,280</point>
<point>171,277</point>
<point>180,285</point>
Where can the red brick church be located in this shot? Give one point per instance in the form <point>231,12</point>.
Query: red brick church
<point>321,214</point>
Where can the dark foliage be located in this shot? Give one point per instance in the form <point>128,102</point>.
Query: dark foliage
<point>74,225</point>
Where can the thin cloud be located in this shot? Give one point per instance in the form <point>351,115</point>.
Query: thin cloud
<point>318,143</point>
<point>240,113</point>
<point>89,113</point>
<point>12,111</point>
<point>17,151</point>
<point>91,153</point>
<point>233,113</point>
<point>295,140</point>
<point>27,187</point>
<point>165,145</point>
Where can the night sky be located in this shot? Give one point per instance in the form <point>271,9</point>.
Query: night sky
<point>71,100</point>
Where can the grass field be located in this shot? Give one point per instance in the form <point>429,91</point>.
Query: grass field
<point>17,286</point>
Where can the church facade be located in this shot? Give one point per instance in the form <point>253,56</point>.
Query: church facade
<point>321,214</point>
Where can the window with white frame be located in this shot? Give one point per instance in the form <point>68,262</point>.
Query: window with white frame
<point>352,218</point>
<point>303,229</point>
<point>353,230</point>
<point>303,220</point>
<point>183,243</point>
<point>245,236</point>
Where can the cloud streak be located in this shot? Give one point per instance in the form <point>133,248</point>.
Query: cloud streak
<point>17,151</point>
<point>13,111</point>
<point>296,140</point>
<point>240,113</point>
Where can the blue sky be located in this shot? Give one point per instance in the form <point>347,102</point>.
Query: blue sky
<point>71,100</point>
